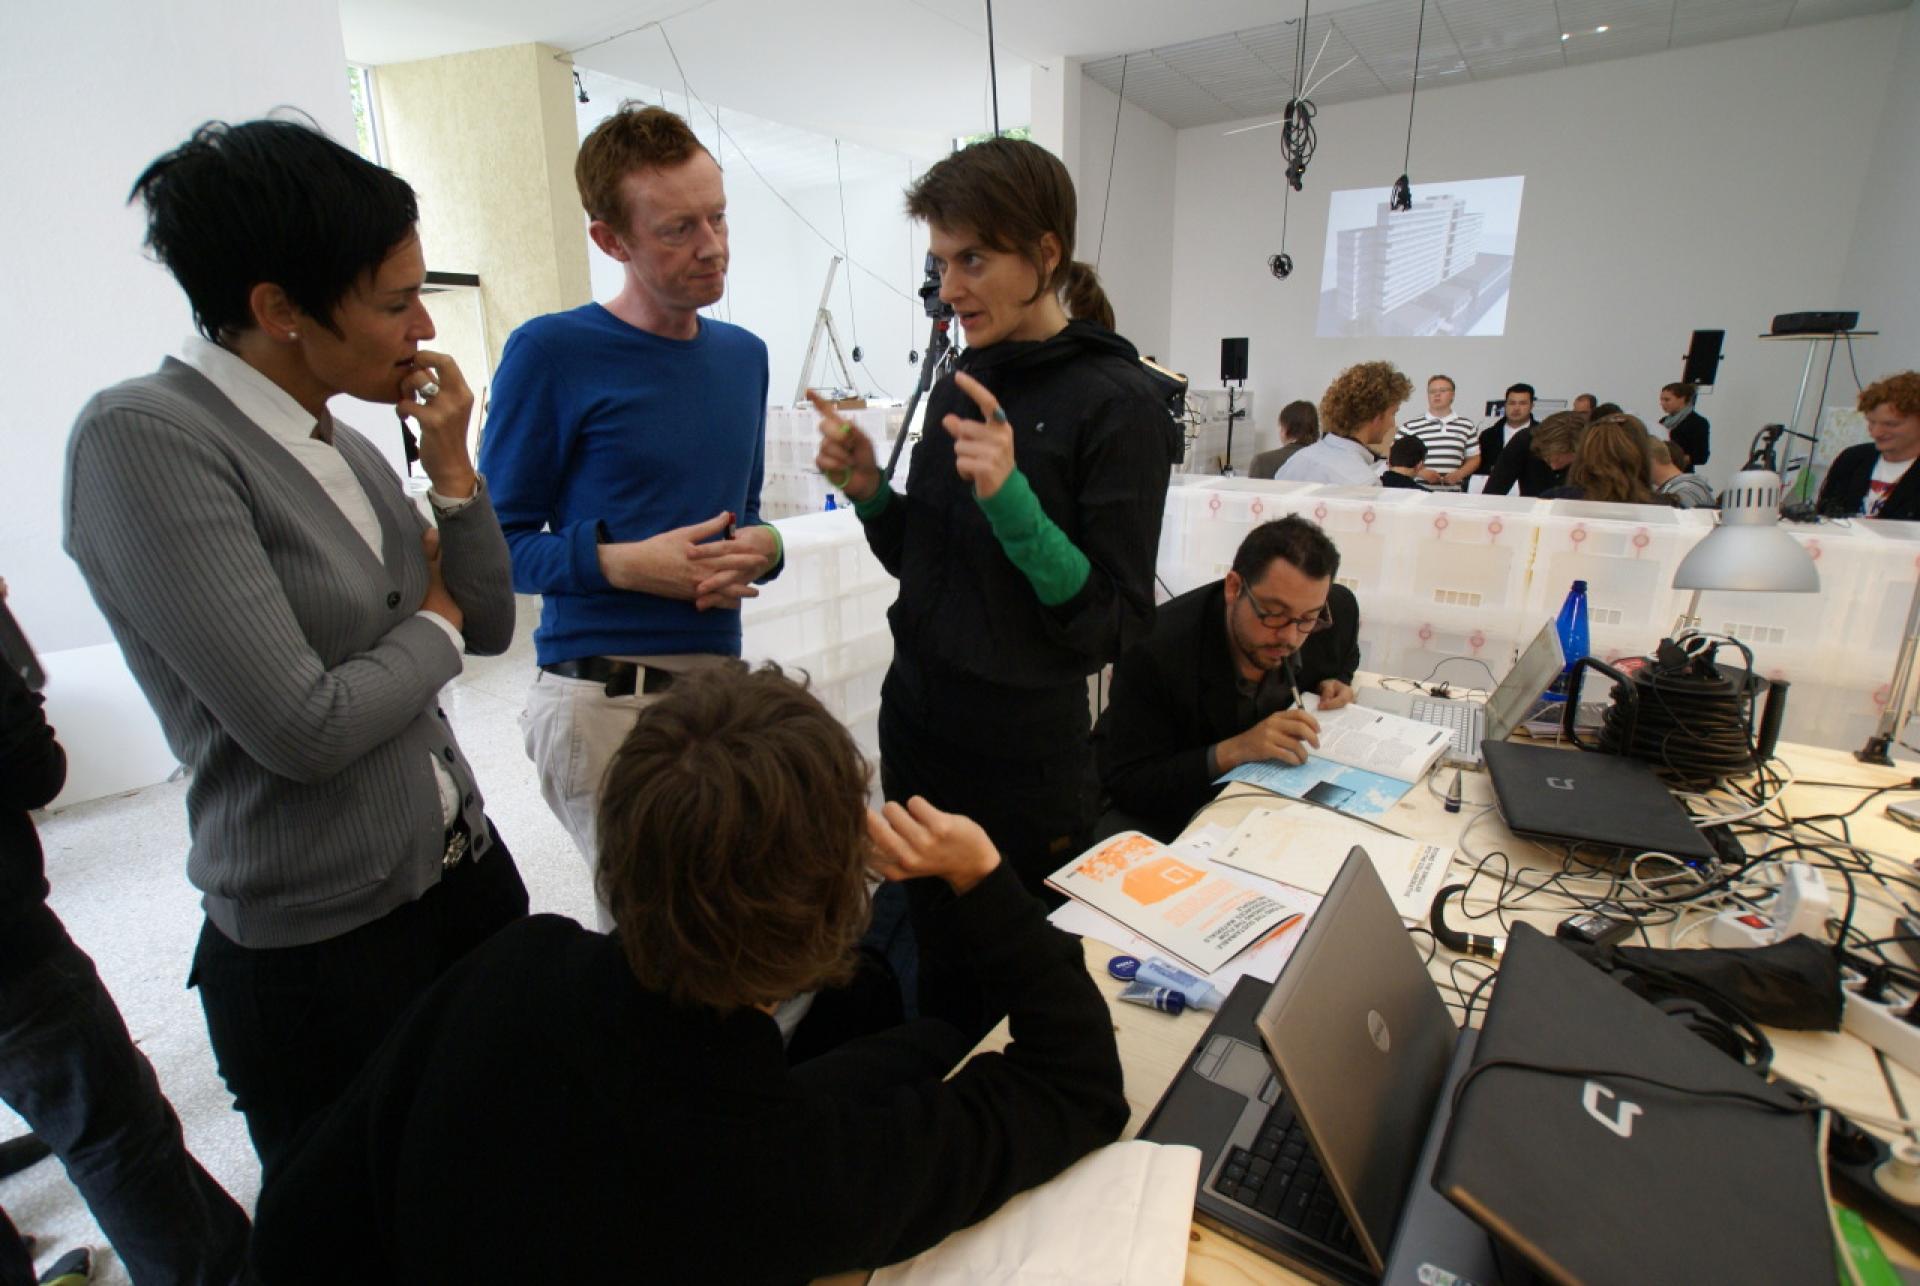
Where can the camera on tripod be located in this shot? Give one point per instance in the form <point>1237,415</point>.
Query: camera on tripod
<point>935,307</point>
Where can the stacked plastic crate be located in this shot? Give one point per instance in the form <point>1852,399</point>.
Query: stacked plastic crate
<point>791,485</point>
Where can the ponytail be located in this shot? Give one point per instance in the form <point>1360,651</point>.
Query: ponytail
<point>1085,300</point>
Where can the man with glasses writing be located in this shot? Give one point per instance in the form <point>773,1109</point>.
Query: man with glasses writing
<point>1218,682</point>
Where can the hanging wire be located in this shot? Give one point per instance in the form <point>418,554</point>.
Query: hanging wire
<point>846,251</point>
<point>993,71</point>
<point>828,241</point>
<point>719,151</point>
<point>1106,203</point>
<point>1420,36</point>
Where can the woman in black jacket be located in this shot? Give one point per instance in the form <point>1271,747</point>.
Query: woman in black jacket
<point>1025,550</point>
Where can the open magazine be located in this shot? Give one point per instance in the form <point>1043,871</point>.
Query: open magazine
<point>1367,761</point>
<point>1199,915</point>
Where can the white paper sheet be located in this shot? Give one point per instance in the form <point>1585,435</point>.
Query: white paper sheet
<point>1303,848</point>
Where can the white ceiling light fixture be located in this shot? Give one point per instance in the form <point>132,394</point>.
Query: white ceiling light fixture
<point>1601,30</point>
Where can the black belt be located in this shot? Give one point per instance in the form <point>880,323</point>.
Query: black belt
<point>618,676</point>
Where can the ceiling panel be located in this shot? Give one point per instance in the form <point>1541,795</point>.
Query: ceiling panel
<point>1250,72</point>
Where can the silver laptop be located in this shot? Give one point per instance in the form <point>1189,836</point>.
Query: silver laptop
<point>1310,1101</point>
<point>1474,721</point>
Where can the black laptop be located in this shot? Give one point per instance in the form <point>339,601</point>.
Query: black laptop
<point>1596,1171</point>
<point>1310,1098</point>
<point>1584,797</point>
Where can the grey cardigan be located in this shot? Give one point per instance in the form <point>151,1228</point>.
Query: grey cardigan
<point>287,665</point>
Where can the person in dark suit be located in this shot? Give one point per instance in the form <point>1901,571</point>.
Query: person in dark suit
<point>1684,424</point>
<point>1504,445</point>
<point>1877,479</point>
<point>1217,684</point>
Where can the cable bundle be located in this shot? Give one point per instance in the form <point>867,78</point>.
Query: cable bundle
<point>1695,719</point>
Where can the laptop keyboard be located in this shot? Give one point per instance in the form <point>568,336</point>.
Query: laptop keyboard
<point>1451,715</point>
<point>1280,1178</point>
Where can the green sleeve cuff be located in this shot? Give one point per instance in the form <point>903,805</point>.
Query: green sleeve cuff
<point>874,505</point>
<point>1052,564</point>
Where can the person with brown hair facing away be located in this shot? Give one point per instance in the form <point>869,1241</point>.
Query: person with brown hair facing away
<point>571,1106</point>
<point>1876,479</point>
<point>1359,411</point>
<point>1025,548</point>
<point>1610,464</point>
<point>1671,483</point>
<point>1299,429</point>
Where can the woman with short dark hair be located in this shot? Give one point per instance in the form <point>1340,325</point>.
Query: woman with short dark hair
<point>290,614</point>
<point>1025,548</point>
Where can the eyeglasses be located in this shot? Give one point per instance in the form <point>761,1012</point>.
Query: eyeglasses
<point>1311,623</point>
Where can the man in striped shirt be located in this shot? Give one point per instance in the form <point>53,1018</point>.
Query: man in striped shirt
<point>1453,441</point>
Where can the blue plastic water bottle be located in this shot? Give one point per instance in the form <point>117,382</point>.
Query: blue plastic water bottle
<point>1571,625</point>
<point>832,505</point>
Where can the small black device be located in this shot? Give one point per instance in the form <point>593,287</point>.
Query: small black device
<point>1233,360</point>
<point>1823,323</point>
<point>1280,265</point>
<point>1703,357</point>
<point>18,652</point>
<point>1593,928</point>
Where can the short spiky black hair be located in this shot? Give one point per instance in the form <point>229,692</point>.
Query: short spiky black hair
<point>274,201</point>
<point>1296,539</point>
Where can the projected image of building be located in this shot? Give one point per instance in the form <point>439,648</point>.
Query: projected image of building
<point>1414,272</point>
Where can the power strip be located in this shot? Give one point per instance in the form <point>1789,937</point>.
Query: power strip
<point>1883,1026</point>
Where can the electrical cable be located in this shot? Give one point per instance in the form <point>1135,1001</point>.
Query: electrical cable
<point>1113,155</point>
<point>768,183</point>
<point>993,71</point>
<point>846,251</point>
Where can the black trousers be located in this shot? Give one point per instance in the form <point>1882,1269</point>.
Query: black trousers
<point>1037,811</point>
<point>292,1026</point>
<point>68,1065</point>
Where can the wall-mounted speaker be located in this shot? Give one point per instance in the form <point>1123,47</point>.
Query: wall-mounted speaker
<point>1233,360</point>
<point>1703,357</point>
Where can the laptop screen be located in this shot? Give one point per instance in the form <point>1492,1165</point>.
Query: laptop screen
<point>1531,675</point>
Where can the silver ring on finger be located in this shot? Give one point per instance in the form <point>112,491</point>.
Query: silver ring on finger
<point>429,391</point>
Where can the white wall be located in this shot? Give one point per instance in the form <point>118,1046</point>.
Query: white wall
<point>1883,267</point>
<point>91,92</point>
<point>1712,186</point>
<point>1136,263</point>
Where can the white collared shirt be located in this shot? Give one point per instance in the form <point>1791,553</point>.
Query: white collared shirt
<point>283,419</point>
<point>1342,461</point>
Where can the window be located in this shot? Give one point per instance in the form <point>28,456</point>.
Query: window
<point>366,125</point>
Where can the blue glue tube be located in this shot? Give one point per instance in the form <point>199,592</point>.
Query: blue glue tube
<point>1199,993</point>
<point>1165,999</point>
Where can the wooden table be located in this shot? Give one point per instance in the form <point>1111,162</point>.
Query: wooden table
<point>1843,1070</point>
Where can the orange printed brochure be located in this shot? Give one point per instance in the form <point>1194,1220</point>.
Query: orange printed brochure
<point>1201,916</point>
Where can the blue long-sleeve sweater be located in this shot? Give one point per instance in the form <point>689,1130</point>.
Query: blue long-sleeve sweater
<point>600,430</point>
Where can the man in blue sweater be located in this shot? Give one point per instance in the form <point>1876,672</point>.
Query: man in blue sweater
<point>624,452</point>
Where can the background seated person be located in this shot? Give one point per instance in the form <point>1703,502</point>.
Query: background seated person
<point>1405,461</point>
<point>1584,403</point>
<point>1877,479</point>
<point>1610,464</point>
<point>1299,427</point>
<point>1358,412</point>
<point>1550,451</point>
<point>1686,427</point>
<point>1672,484</point>
<point>1214,685</point>
<point>568,1106</point>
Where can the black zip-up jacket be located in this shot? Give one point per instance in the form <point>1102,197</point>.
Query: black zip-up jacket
<point>1850,477</point>
<point>1094,439</point>
<point>33,767</point>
